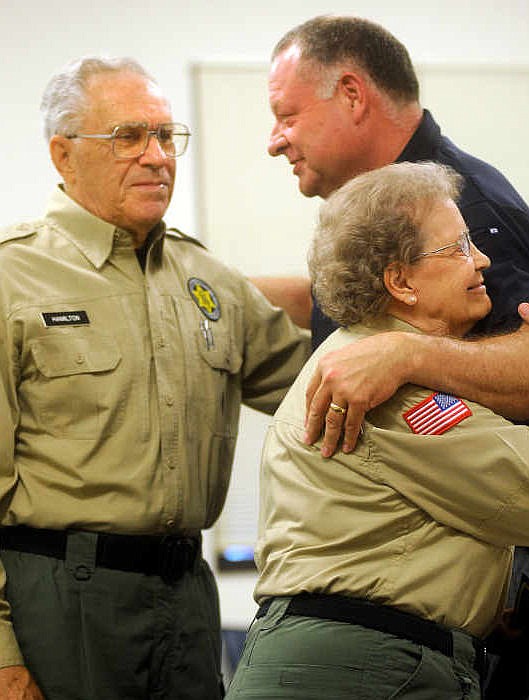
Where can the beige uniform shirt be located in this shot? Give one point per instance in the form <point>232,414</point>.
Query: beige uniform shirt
<point>120,390</point>
<point>422,522</point>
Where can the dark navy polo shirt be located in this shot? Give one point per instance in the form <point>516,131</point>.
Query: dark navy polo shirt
<point>497,218</point>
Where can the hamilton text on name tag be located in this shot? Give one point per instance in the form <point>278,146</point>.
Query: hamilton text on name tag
<point>65,318</point>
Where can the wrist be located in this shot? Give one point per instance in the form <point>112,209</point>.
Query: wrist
<point>410,351</point>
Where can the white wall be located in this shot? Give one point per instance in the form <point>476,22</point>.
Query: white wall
<point>168,37</point>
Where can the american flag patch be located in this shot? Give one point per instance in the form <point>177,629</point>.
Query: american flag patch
<point>436,414</point>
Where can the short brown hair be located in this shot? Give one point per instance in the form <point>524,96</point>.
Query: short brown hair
<point>329,42</point>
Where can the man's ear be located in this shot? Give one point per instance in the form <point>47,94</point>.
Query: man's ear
<point>354,89</point>
<point>61,155</point>
<point>399,283</point>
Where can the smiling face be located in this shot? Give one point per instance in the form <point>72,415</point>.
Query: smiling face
<point>444,294</point>
<point>316,135</point>
<point>131,194</point>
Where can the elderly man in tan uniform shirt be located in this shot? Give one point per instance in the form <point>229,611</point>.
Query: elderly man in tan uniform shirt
<point>125,353</point>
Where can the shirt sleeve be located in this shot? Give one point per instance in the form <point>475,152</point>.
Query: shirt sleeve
<point>474,477</point>
<point>275,351</point>
<point>9,650</point>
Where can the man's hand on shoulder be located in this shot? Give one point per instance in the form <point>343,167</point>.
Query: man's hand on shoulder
<point>16,683</point>
<point>356,378</point>
<point>491,371</point>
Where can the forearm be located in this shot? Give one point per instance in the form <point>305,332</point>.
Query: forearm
<point>491,371</point>
<point>357,377</point>
<point>289,293</point>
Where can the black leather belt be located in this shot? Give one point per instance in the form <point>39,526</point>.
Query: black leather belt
<point>378,617</point>
<point>168,556</point>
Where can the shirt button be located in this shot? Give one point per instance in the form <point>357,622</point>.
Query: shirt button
<point>79,359</point>
<point>170,524</point>
<point>160,343</point>
<point>169,400</point>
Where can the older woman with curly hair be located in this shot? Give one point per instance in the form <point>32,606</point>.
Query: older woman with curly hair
<point>381,571</point>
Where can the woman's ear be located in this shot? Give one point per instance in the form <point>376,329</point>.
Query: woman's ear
<point>398,280</point>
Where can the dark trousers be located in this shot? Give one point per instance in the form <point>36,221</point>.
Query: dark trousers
<point>102,634</point>
<point>291,657</point>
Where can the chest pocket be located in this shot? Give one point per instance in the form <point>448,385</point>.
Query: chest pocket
<point>220,383</point>
<point>74,386</point>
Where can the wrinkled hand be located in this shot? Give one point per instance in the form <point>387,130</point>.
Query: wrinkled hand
<point>16,683</point>
<point>357,377</point>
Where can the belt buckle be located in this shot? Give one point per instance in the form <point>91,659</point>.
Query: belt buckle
<point>175,556</point>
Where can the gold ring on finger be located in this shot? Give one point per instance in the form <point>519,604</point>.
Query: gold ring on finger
<point>337,409</point>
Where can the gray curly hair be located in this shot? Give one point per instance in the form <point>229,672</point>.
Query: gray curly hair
<point>368,223</point>
<point>64,99</point>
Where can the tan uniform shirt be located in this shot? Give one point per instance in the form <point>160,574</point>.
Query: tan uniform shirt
<point>120,390</point>
<point>421,522</point>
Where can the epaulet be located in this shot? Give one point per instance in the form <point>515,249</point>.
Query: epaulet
<point>184,237</point>
<point>19,231</point>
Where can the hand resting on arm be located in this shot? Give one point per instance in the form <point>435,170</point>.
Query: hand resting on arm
<point>493,371</point>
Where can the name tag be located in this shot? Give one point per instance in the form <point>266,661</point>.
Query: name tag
<point>65,318</point>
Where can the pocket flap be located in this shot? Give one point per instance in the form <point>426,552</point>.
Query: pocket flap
<point>67,354</point>
<point>218,351</point>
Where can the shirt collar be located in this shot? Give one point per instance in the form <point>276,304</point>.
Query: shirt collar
<point>425,141</point>
<point>94,237</point>
<point>386,322</point>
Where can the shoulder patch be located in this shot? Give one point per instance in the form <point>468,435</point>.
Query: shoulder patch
<point>176,233</point>
<point>19,231</point>
<point>436,414</point>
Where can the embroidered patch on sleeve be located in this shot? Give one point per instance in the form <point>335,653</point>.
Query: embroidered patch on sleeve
<point>436,414</point>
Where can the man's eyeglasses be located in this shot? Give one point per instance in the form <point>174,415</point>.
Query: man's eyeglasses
<point>463,243</point>
<point>132,140</point>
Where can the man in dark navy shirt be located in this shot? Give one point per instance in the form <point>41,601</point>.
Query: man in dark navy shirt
<point>345,99</point>
<point>496,216</point>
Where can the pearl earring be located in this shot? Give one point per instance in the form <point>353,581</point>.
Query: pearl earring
<point>412,299</point>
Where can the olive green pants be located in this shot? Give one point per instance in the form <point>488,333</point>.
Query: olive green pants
<point>101,634</point>
<point>307,658</point>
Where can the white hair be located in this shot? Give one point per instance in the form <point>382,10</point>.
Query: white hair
<point>64,98</point>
